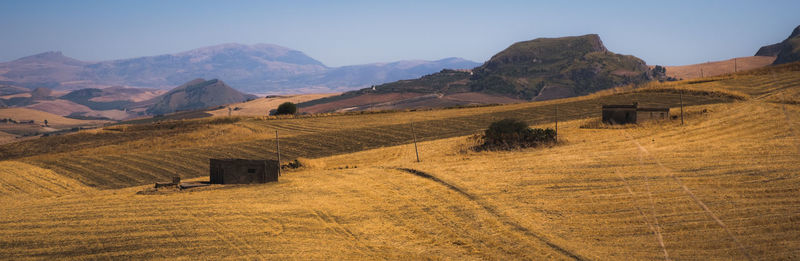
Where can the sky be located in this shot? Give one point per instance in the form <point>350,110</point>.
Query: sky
<point>345,32</point>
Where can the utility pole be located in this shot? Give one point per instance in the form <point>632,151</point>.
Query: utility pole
<point>556,123</point>
<point>735,66</point>
<point>681,107</point>
<point>416,151</point>
<point>278,151</point>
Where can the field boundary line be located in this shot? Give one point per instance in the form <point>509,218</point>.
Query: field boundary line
<point>691,194</point>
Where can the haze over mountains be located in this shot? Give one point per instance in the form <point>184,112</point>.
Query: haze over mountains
<point>259,68</point>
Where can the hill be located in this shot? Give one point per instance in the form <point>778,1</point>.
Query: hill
<point>567,66</point>
<point>259,68</point>
<point>197,94</point>
<point>717,68</point>
<point>721,186</point>
<point>262,106</point>
<point>786,51</point>
<point>8,89</point>
<point>540,69</point>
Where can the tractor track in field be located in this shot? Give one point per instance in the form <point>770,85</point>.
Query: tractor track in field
<point>691,194</point>
<point>335,225</point>
<point>494,212</point>
<point>218,231</point>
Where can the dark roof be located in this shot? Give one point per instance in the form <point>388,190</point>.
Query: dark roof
<point>653,109</point>
<point>619,106</point>
<point>634,106</point>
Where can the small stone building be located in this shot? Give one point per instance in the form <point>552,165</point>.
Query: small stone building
<point>243,171</point>
<point>625,114</point>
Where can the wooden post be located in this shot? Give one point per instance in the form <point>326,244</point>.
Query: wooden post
<point>416,151</point>
<point>278,151</point>
<point>735,66</point>
<point>556,123</point>
<point>701,72</point>
<point>681,107</point>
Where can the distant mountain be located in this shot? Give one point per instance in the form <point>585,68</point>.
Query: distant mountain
<point>786,51</point>
<point>48,69</point>
<point>249,68</point>
<point>197,94</point>
<point>540,69</point>
<point>378,73</point>
<point>257,68</point>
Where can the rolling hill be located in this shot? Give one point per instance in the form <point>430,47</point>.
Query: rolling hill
<point>197,94</point>
<point>721,186</point>
<point>259,68</point>
<point>539,69</point>
<point>717,68</point>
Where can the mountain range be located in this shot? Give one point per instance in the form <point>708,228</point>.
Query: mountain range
<point>259,68</point>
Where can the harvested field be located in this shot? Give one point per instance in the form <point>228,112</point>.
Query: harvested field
<point>722,186</point>
<point>716,68</point>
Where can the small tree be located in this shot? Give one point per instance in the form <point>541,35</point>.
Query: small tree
<point>509,134</point>
<point>286,108</point>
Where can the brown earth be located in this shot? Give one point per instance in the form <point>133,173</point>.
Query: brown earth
<point>59,107</point>
<point>401,101</point>
<point>358,101</point>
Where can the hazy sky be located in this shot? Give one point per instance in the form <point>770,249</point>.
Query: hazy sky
<point>355,32</point>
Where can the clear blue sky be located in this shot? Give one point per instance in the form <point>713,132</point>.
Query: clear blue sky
<point>354,32</point>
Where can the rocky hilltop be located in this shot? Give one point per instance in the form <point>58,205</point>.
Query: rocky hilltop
<point>786,51</point>
<point>539,69</point>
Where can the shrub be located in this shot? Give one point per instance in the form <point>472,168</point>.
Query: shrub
<point>509,134</point>
<point>286,108</point>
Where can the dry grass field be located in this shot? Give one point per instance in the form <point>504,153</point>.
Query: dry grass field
<point>717,68</point>
<point>261,106</point>
<point>723,186</point>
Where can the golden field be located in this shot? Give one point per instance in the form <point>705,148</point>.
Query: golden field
<point>722,186</point>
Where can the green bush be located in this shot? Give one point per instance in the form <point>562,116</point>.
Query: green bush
<point>509,134</point>
<point>286,108</point>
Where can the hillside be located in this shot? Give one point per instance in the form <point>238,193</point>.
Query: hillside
<point>722,186</point>
<point>197,94</point>
<point>262,106</point>
<point>786,51</point>
<point>566,66</point>
<point>717,68</point>
<point>258,68</point>
<point>540,69</point>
